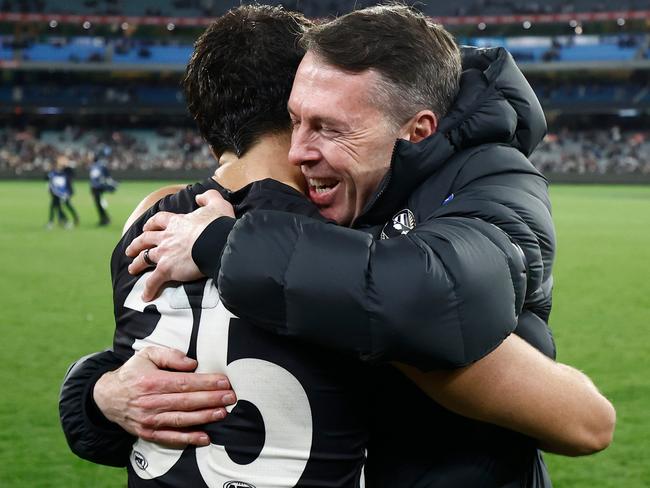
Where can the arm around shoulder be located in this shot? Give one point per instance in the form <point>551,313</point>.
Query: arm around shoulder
<point>442,296</point>
<point>518,388</point>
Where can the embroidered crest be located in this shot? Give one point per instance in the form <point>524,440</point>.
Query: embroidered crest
<point>140,460</point>
<point>402,223</point>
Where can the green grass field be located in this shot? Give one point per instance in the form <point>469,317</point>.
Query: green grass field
<point>56,306</point>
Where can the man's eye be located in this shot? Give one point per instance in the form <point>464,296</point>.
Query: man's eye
<point>329,131</point>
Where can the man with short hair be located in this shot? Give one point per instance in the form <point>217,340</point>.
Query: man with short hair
<point>423,297</point>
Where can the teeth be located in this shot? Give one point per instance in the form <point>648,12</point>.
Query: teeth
<point>322,185</point>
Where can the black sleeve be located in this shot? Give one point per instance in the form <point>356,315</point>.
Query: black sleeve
<point>206,252</point>
<point>89,434</point>
<point>442,296</point>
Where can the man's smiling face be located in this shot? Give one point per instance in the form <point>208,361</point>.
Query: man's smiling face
<point>342,141</point>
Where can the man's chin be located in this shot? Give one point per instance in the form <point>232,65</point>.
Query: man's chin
<point>335,214</point>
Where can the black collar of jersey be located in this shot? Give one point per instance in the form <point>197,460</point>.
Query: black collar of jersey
<point>266,194</point>
<point>495,104</point>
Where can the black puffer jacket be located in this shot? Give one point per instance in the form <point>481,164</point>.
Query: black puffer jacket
<point>476,263</point>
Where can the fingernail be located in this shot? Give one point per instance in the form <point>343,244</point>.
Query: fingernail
<point>229,399</point>
<point>223,384</point>
<point>219,414</point>
<point>204,440</point>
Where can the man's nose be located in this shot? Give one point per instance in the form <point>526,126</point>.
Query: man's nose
<point>303,148</point>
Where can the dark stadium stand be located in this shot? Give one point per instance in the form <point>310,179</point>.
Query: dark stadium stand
<point>623,47</point>
<point>592,95</point>
<point>197,8</point>
<point>538,49</point>
<point>94,65</point>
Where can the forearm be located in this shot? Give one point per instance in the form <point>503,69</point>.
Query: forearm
<point>89,434</point>
<point>342,289</point>
<point>518,388</point>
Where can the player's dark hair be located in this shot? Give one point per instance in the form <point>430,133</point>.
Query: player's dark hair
<point>239,78</point>
<point>418,61</point>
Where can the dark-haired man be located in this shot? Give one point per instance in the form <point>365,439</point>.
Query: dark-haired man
<point>475,391</point>
<point>300,416</point>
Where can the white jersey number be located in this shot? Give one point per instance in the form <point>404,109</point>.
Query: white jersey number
<point>276,393</point>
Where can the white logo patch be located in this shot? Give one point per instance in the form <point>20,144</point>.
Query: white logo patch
<point>402,223</point>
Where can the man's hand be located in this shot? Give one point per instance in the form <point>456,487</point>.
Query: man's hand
<point>168,239</point>
<point>162,406</point>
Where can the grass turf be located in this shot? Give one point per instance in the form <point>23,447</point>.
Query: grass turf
<point>56,306</point>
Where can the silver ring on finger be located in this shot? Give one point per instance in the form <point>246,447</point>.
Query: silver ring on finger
<point>147,259</point>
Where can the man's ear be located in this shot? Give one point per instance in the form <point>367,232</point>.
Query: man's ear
<point>422,125</point>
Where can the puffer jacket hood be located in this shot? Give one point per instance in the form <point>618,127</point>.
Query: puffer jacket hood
<point>495,104</point>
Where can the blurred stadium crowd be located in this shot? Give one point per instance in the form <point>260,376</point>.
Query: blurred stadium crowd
<point>173,148</point>
<point>80,77</point>
<point>594,152</point>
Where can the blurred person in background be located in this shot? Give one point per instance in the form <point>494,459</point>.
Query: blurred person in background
<point>100,183</point>
<point>60,189</point>
<point>68,165</point>
<point>57,187</point>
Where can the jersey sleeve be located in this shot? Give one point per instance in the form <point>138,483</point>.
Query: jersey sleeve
<point>88,433</point>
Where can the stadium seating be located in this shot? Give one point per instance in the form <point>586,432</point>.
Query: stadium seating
<point>6,95</point>
<point>134,51</point>
<point>74,51</point>
<point>133,75</point>
<point>197,8</point>
<point>155,54</point>
<point>565,48</point>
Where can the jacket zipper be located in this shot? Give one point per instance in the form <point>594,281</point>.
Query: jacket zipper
<point>385,183</point>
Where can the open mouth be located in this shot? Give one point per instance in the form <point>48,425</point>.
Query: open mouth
<point>321,190</point>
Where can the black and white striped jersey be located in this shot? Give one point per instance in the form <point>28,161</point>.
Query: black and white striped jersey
<point>300,418</point>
